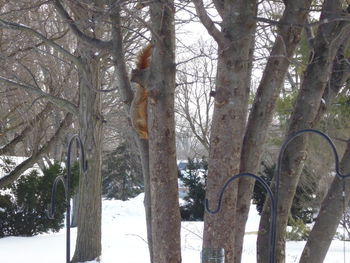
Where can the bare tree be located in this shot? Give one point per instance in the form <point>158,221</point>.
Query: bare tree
<point>196,80</point>
<point>90,122</point>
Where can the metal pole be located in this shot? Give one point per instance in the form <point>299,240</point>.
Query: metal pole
<point>66,183</point>
<point>213,255</point>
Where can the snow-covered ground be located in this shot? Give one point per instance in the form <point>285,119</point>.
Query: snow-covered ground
<point>124,235</point>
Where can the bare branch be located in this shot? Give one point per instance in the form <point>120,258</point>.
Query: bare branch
<point>147,25</point>
<point>26,29</point>
<point>22,167</point>
<point>118,57</point>
<point>59,102</point>
<point>20,137</point>
<point>100,44</point>
<point>37,45</point>
<point>208,23</point>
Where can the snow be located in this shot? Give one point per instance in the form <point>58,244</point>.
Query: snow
<point>124,240</point>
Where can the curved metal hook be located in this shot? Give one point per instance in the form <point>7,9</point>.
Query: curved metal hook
<point>52,207</point>
<point>272,241</point>
<point>66,183</point>
<point>66,179</point>
<point>323,135</point>
<point>284,147</point>
<point>83,162</point>
<point>274,198</point>
<point>264,184</point>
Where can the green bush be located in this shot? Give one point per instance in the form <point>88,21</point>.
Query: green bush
<point>302,200</point>
<point>194,178</point>
<point>298,230</point>
<point>24,204</point>
<point>121,174</point>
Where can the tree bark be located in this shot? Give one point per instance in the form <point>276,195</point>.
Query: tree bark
<point>329,216</point>
<point>235,48</point>
<point>144,154</point>
<point>161,126</point>
<point>288,36</point>
<point>329,37</point>
<point>332,208</point>
<point>88,244</point>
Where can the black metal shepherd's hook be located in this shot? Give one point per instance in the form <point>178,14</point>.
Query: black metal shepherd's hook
<point>66,184</point>
<point>274,197</point>
<point>297,134</point>
<point>272,241</point>
<point>284,147</point>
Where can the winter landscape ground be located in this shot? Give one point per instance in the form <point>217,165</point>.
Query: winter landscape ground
<point>124,236</point>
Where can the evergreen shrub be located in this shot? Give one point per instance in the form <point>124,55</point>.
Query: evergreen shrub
<point>194,178</point>
<point>24,204</point>
<point>304,195</point>
<point>121,174</point>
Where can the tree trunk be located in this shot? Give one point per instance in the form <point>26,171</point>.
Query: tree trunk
<point>127,96</point>
<point>88,245</point>
<point>235,49</point>
<point>331,210</point>
<point>161,126</point>
<point>144,153</point>
<point>329,38</point>
<point>262,111</point>
<point>329,216</point>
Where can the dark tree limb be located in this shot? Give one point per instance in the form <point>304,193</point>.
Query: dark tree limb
<point>20,137</point>
<point>208,23</point>
<point>100,44</point>
<point>22,167</point>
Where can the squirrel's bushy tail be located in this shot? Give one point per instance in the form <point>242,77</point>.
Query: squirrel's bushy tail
<point>144,57</point>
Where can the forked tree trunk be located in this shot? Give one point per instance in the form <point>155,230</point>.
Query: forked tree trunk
<point>288,37</point>
<point>235,49</point>
<point>88,244</point>
<point>329,38</point>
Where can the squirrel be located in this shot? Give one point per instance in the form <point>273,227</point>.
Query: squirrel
<point>138,109</point>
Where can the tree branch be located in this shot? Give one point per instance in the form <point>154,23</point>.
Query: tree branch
<point>59,102</point>
<point>26,29</point>
<point>100,44</point>
<point>5,149</point>
<point>119,57</point>
<point>142,21</point>
<point>36,45</point>
<point>208,23</point>
<point>22,167</point>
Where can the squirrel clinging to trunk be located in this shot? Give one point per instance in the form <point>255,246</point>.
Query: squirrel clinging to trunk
<point>138,109</point>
